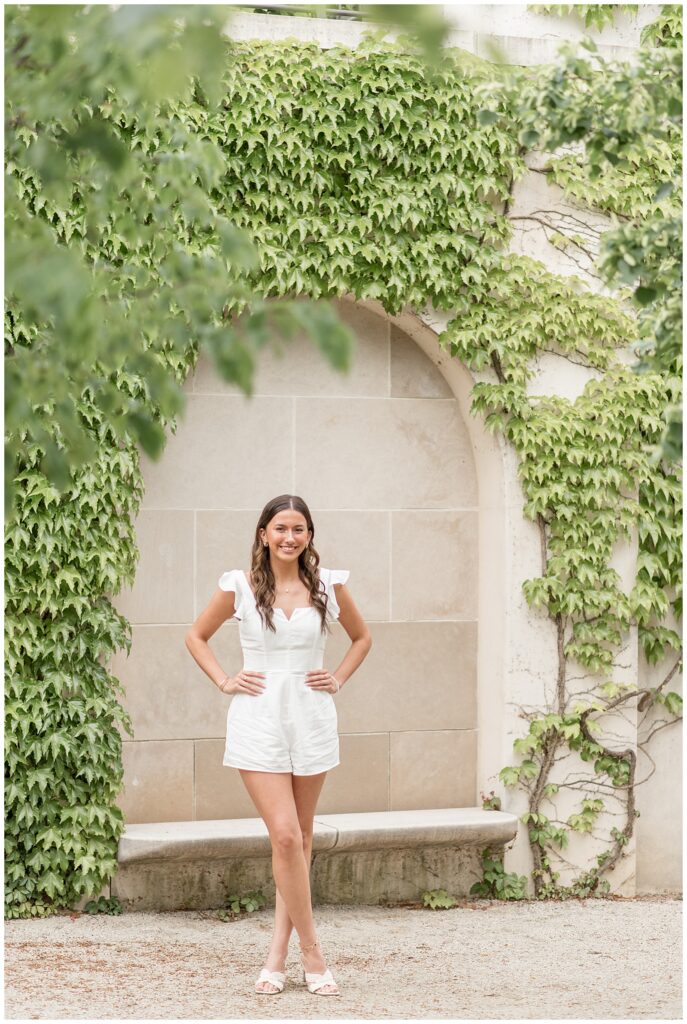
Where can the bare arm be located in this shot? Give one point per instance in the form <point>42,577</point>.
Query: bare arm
<point>354,624</point>
<point>220,608</point>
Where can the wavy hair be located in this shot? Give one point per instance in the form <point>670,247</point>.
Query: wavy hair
<point>264,584</point>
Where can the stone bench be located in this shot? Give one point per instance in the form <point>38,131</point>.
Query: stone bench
<point>367,857</point>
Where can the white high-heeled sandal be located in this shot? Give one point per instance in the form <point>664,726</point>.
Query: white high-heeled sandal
<point>314,981</point>
<point>274,977</point>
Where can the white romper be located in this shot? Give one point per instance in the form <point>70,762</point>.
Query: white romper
<point>288,727</point>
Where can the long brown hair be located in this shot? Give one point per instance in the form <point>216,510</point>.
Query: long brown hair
<point>264,584</point>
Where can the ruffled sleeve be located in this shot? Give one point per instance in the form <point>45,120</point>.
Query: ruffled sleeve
<point>330,577</point>
<point>232,581</point>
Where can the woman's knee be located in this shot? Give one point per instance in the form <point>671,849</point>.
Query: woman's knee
<point>286,837</point>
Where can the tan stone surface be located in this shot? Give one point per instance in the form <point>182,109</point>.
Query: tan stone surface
<point>383,453</point>
<point>432,826</point>
<point>163,589</point>
<point>358,876</point>
<point>361,781</point>
<point>207,840</point>
<point>412,373</point>
<point>433,769</point>
<point>377,876</point>
<point>435,564</point>
<point>224,541</point>
<point>418,675</point>
<point>185,885</point>
<point>211,461</point>
<point>220,792</point>
<point>158,781</point>
<point>358,857</point>
<point>167,695</point>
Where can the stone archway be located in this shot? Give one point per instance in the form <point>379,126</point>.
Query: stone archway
<point>407,492</point>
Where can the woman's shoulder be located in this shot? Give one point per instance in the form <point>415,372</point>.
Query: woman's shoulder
<point>332,576</point>
<point>232,579</point>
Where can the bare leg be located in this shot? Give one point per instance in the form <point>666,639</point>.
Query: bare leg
<point>283,925</point>
<point>306,790</point>
<point>286,804</point>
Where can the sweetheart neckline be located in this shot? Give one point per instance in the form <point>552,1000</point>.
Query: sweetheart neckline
<point>300,608</point>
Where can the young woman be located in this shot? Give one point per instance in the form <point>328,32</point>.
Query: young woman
<point>282,722</point>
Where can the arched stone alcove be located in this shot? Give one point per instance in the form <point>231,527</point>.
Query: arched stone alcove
<point>407,492</point>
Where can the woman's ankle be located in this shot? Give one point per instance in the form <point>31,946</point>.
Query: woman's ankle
<point>313,959</point>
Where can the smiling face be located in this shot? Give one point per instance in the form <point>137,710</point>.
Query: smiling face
<point>287,535</point>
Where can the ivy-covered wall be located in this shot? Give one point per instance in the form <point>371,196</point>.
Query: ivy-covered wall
<point>354,172</point>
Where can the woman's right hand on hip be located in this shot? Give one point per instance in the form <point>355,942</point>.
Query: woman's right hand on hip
<point>247,681</point>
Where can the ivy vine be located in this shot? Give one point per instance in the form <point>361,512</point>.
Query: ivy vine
<point>597,16</point>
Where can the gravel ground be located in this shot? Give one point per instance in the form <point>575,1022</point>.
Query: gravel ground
<point>597,959</point>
